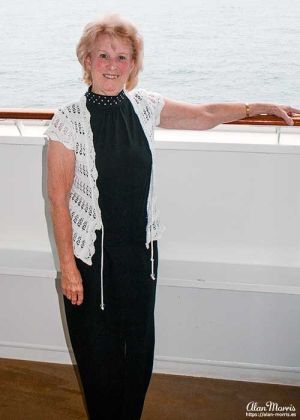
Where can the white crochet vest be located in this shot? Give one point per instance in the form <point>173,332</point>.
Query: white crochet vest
<point>71,126</point>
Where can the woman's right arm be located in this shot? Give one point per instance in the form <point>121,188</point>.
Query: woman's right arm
<point>60,176</point>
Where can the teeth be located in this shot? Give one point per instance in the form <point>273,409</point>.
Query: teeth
<point>110,76</point>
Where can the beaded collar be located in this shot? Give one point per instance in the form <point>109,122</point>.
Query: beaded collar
<point>104,100</point>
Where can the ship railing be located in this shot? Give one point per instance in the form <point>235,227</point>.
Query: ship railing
<point>22,117</point>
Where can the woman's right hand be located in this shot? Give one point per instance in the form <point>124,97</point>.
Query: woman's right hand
<point>71,285</point>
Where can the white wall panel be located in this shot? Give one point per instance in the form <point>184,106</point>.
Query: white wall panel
<point>228,297</point>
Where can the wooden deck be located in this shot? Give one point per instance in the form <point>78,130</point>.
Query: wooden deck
<point>46,391</point>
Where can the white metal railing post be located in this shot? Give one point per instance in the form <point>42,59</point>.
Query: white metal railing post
<point>19,126</point>
<point>278,131</point>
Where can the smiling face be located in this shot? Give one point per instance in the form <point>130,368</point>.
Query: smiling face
<point>110,64</point>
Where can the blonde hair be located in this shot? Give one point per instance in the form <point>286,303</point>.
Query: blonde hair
<point>115,26</point>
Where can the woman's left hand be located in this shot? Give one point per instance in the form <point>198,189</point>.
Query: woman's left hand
<point>282,111</point>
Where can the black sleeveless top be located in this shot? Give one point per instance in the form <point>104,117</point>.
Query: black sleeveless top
<point>123,162</point>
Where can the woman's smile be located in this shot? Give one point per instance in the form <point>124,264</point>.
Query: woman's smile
<point>111,76</point>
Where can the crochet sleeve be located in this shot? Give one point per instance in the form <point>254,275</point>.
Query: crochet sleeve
<point>157,103</point>
<point>60,129</point>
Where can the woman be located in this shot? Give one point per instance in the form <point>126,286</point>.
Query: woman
<point>101,188</point>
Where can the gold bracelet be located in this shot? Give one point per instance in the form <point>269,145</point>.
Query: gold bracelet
<point>247,110</point>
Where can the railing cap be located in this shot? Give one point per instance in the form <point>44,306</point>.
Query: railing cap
<point>47,114</point>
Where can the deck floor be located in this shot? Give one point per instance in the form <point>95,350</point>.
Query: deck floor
<point>44,391</point>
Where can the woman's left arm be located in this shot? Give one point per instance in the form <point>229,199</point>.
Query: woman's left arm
<point>186,116</point>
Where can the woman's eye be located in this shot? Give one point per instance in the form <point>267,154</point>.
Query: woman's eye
<point>122,57</point>
<point>103,55</point>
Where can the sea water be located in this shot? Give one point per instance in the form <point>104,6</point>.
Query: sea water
<point>195,50</point>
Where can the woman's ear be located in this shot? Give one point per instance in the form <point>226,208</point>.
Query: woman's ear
<point>132,66</point>
<point>87,62</point>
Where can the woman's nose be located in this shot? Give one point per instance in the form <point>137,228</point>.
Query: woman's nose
<point>112,63</point>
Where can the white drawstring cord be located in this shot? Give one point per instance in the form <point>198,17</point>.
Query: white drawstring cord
<point>102,302</point>
<point>151,239</point>
<point>152,260</point>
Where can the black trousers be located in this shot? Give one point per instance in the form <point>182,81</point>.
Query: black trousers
<point>114,347</point>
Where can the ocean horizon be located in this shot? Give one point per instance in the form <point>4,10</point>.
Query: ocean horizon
<point>196,51</point>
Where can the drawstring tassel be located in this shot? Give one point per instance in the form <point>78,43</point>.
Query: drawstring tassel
<point>102,302</point>
<point>152,259</point>
<point>151,239</point>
